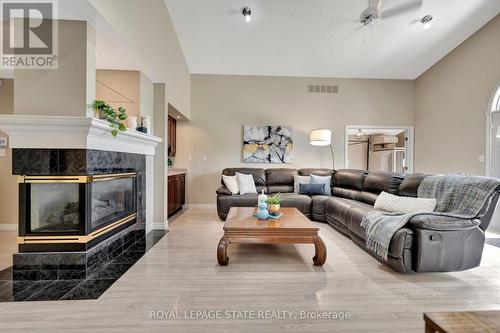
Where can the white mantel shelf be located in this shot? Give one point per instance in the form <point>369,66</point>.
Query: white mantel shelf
<point>73,132</point>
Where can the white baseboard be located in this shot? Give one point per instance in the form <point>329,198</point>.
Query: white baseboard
<point>160,226</point>
<point>8,227</point>
<point>200,206</point>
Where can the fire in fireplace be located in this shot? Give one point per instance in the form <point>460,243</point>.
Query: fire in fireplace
<point>73,213</point>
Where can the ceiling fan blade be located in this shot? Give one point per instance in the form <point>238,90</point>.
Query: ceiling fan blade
<point>407,7</point>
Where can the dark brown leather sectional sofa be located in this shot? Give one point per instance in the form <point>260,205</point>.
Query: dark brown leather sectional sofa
<point>426,244</point>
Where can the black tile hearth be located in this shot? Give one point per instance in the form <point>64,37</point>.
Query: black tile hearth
<point>93,286</point>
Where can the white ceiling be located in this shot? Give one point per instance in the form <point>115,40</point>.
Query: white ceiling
<point>321,38</point>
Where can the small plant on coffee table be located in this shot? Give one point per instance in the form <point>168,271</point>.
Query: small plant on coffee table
<point>273,203</point>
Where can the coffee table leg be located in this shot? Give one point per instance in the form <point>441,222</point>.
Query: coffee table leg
<point>320,256</point>
<point>222,251</point>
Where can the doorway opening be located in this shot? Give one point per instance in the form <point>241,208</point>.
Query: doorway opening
<point>379,148</point>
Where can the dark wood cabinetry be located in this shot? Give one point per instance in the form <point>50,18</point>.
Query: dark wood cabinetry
<point>176,193</point>
<point>172,136</point>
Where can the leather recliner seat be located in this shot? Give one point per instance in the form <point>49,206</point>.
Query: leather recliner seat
<point>426,244</point>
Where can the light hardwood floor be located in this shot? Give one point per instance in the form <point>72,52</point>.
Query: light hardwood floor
<point>181,272</point>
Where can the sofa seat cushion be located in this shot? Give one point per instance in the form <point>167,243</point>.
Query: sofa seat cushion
<point>319,204</point>
<point>338,208</point>
<point>299,201</point>
<point>355,216</point>
<point>241,200</point>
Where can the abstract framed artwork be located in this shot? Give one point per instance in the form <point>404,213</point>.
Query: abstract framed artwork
<point>267,144</point>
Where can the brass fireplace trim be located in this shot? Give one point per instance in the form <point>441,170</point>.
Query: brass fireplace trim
<point>75,239</point>
<point>75,179</point>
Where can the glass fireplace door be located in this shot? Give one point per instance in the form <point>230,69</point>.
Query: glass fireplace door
<point>54,208</point>
<point>112,199</point>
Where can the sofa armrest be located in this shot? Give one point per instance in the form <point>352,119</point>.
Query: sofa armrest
<point>436,222</point>
<point>223,191</point>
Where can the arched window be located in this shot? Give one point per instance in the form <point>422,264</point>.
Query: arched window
<point>493,135</point>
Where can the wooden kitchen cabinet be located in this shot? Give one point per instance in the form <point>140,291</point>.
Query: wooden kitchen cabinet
<point>176,193</point>
<point>172,136</point>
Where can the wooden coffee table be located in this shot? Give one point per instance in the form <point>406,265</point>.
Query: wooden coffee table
<point>293,227</point>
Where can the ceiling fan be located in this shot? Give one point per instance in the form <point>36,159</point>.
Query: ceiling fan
<point>375,10</point>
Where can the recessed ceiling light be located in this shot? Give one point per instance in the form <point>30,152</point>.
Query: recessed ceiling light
<point>426,21</point>
<point>178,117</point>
<point>247,13</point>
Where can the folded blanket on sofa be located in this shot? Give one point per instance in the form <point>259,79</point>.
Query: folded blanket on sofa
<point>457,196</point>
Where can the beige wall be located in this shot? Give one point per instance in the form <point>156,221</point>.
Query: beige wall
<point>112,84</point>
<point>221,105</point>
<point>7,180</point>
<point>62,91</point>
<point>451,101</point>
<point>7,96</point>
<point>147,29</point>
<point>160,107</point>
<point>146,90</point>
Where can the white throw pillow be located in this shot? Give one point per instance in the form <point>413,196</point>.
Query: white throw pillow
<point>404,205</point>
<point>231,183</point>
<point>297,180</point>
<point>245,183</point>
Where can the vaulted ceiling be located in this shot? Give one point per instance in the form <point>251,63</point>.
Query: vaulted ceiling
<point>323,38</point>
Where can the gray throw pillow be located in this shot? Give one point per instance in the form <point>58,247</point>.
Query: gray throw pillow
<point>327,180</point>
<point>297,180</point>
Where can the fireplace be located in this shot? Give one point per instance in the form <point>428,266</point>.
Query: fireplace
<point>74,213</point>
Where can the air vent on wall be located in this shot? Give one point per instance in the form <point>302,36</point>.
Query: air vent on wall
<point>322,89</point>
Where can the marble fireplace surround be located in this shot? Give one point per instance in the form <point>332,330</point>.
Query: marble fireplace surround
<point>78,134</point>
<point>60,146</point>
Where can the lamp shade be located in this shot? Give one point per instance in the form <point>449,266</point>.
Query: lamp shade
<point>320,137</point>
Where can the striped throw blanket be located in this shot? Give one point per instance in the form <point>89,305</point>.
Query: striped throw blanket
<point>457,196</point>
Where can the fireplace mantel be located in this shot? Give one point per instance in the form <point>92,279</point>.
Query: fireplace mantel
<point>73,133</point>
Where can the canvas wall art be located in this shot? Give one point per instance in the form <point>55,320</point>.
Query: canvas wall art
<point>267,144</point>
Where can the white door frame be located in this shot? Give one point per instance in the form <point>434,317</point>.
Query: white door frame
<point>409,146</point>
<point>489,128</point>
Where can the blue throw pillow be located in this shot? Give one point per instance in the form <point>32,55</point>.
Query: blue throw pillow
<point>312,189</point>
<point>327,180</point>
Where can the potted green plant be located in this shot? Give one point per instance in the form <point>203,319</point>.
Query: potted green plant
<point>273,203</point>
<point>98,106</point>
<point>115,119</point>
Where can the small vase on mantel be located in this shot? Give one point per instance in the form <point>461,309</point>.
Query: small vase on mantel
<point>132,123</point>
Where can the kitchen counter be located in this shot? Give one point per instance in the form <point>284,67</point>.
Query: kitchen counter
<point>173,172</point>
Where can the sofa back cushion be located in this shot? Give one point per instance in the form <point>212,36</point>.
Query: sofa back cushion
<point>383,181</point>
<point>409,185</point>
<point>280,180</point>
<point>259,176</point>
<point>350,179</point>
<point>316,171</point>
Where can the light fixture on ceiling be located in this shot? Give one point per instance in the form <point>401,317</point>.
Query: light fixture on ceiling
<point>178,117</point>
<point>426,21</point>
<point>359,134</point>
<point>96,54</point>
<point>247,13</point>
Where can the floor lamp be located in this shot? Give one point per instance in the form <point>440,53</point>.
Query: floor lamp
<point>322,137</point>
